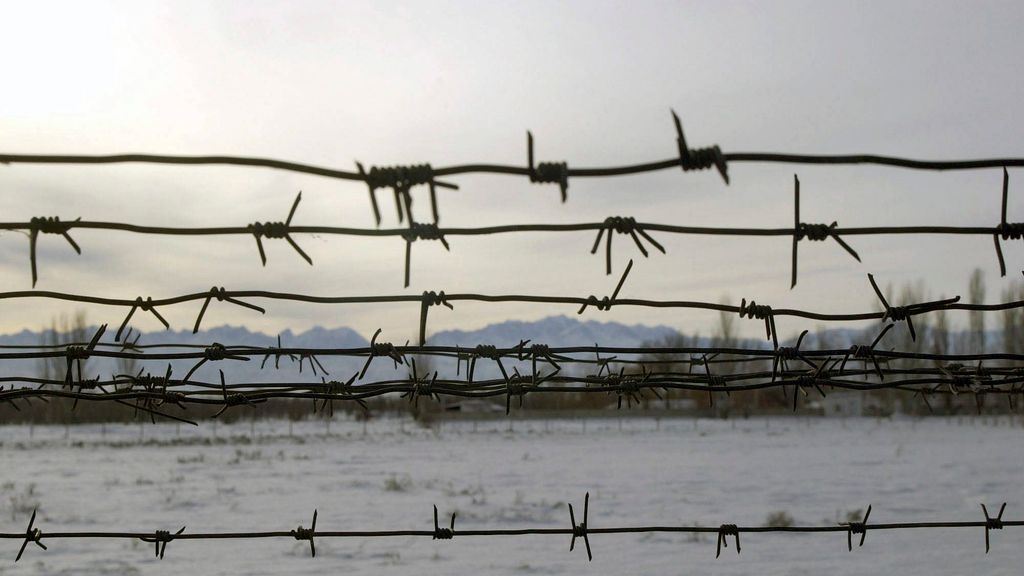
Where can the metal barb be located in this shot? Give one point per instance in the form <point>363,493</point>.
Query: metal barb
<point>308,534</point>
<point>816,232</point>
<point>401,179</point>
<point>385,349</point>
<point>48,225</point>
<point>857,528</point>
<point>547,172</point>
<point>784,354</point>
<point>275,352</point>
<point>74,355</point>
<point>699,159</point>
<point>34,535</point>
<point>621,225</point>
<point>444,533</point>
<point>160,539</point>
<point>213,353</point>
<point>420,231</point>
<point>222,295</point>
<point>992,523</point>
<point>724,531</point>
<point>580,530</point>
<point>866,353</point>
<point>606,303</point>
<point>261,230</point>
<point>1006,230</point>
<point>236,399</point>
<point>144,305</point>
<point>429,299</point>
<point>898,313</point>
<point>761,312</point>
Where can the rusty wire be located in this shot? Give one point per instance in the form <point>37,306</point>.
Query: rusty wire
<point>639,232</point>
<point>581,530</point>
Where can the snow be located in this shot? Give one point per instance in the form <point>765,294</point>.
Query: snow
<point>515,474</point>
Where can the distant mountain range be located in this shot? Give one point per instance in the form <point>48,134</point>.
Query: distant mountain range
<point>553,331</point>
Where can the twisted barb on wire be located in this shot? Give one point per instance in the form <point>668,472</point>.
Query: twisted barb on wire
<point>384,349</point>
<point>621,225</point>
<point>307,534</point>
<point>547,172</point>
<point>814,232</point>
<point>580,530</point>
<point>444,533</point>
<point>160,539</point>
<point>1006,230</point>
<point>221,295</point>
<point>607,302</point>
<point>701,158</point>
<point>401,179</point>
<point>48,225</point>
<point>144,305</point>
<point>428,299</point>
<point>857,528</point>
<point>724,531</point>
<point>420,231</point>
<point>901,313</point>
<point>274,230</point>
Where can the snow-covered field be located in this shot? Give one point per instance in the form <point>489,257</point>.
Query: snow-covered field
<point>638,471</point>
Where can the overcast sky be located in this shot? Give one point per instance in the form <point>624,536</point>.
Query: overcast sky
<point>328,83</point>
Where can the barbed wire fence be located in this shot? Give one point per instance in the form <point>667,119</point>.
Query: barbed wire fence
<point>581,530</point>
<point>627,375</point>
<point>818,370</point>
<point>639,232</point>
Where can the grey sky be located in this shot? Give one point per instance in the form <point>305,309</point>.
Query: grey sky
<point>328,83</point>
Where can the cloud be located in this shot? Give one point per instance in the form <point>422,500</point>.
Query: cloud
<point>328,83</point>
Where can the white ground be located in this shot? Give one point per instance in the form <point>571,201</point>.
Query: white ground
<point>675,472</point>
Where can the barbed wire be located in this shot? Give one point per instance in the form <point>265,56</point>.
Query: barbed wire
<point>577,531</point>
<point>401,179</point>
<point>606,230</point>
<point>149,392</point>
<point>806,371</point>
<point>958,377</point>
<point>901,313</point>
<point>525,350</point>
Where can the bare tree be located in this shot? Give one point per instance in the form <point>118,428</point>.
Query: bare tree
<point>976,319</point>
<point>1012,319</point>
<point>940,332</point>
<point>63,331</point>
<point>726,324</point>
